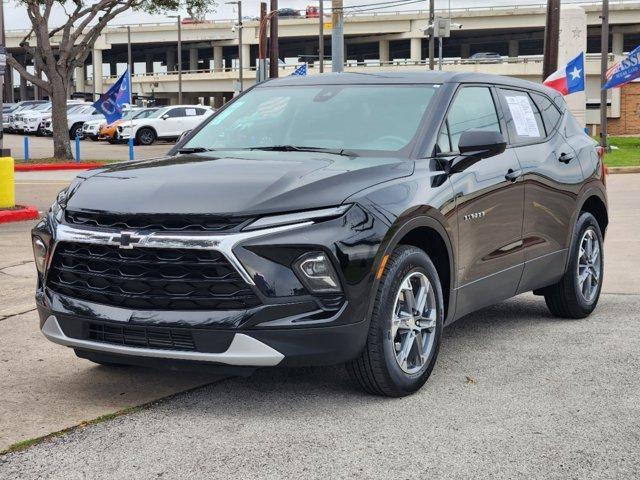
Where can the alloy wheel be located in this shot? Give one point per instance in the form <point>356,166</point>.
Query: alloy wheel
<point>413,325</point>
<point>589,265</point>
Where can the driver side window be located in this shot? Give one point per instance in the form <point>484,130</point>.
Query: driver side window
<point>473,108</point>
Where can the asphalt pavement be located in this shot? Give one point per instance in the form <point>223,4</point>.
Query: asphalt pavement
<point>516,393</point>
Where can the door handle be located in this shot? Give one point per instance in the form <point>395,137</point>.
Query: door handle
<point>513,175</point>
<point>566,157</point>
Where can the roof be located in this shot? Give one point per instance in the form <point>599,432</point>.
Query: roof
<point>400,77</point>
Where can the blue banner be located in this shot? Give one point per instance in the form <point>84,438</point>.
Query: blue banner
<point>111,103</point>
<point>625,71</point>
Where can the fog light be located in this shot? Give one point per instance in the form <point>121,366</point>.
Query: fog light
<point>316,273</point>
<point>40,254</point>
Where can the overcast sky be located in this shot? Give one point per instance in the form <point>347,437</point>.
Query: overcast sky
<point>16,17</point>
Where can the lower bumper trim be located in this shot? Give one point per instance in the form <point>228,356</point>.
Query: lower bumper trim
<point>243,351</point>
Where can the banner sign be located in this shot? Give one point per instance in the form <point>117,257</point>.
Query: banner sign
<point>625,71</point>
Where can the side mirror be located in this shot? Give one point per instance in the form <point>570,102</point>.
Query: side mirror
<point>164,117</point>
<point>475,145</point>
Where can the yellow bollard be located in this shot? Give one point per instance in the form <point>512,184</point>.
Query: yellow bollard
<point>7,184</point>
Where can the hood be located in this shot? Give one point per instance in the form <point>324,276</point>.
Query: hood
<point>236,183</point>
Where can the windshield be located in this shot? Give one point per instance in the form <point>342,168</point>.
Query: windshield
<point>377,118</point>
<point>43,107</point>
<point>147,113</point>
<point>74,108</point>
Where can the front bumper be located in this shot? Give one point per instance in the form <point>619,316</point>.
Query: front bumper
<point>289,327</point>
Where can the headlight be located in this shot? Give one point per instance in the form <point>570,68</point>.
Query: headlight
<point>298,217</point>
<point>316,273</point>
<point>40,254</point>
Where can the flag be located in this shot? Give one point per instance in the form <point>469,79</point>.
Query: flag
<point>624,71</point>
<point>301,71</point>
<point>570,78</point>
<point>110,104</point>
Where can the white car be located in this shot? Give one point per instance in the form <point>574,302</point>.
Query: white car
<point>167,123</point>
<point>18,123</point>
<point>34,121</point>
<point>91,128</point>
<point>76,119</point>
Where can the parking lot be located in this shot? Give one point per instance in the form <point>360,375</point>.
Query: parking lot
<point>42,147</point>
<point>515,393</point>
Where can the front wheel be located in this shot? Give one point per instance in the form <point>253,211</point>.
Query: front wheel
<point>576,294</point>
<point>75,131</point>
<point>405,329</point>
<point>145,136</point>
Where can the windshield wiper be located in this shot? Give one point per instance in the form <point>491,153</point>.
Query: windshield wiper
<point>186,150</point>
<point>294,148</point>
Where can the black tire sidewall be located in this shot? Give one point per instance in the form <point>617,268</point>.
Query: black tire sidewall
<point>411,260</point>
<point>585,221</point>
<point>140,134</point>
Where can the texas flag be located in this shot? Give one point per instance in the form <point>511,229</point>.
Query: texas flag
<point>570,78</point>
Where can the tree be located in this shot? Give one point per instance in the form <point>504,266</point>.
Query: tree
<point>58,50</point>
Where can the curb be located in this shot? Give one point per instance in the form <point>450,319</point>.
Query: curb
<point>624,169</point>
<point>33,167</point>
<point>25,212</point>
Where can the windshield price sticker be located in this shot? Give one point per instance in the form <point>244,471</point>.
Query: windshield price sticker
<point>523,116</point>
<point>190,112</point>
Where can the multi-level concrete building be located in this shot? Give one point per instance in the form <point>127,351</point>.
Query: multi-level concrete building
<point>373,41</point>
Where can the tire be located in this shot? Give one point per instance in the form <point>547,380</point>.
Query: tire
<point>379,369</point>
<point>567,298</point>
<point>145,136</point>
<point>75,129</point>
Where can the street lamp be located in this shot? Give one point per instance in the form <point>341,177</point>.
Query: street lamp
<point>179,18</point>
<point>240,73</point>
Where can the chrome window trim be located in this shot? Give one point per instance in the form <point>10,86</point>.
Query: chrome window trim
<point>196,241</point>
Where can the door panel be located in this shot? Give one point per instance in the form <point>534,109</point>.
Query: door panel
<point>489,207</point>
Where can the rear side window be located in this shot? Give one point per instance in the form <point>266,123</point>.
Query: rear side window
<point>176,112</point>
<point>524,121</point>
<point>472,109</point>
<point>550,114</point>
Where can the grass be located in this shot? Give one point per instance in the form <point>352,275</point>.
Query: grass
<point>626,155</point>
<point>24,444</point>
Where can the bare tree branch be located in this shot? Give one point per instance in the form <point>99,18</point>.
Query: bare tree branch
<point>28,76</point>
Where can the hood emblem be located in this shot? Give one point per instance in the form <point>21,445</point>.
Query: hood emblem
<point>126,240</point>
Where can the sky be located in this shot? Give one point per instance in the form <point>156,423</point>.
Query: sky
<point>16,17</point>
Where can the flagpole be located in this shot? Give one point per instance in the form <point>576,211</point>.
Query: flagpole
<point>129,68</point>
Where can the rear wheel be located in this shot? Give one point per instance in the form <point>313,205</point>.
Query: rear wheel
<point>145,136</point>
<point>576,294</point>
<point>75,131</point>
<point>405,329</point>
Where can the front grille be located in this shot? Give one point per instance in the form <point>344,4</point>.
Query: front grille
<point>142,337</point>
<point>197,223</point>
<point>149,278</point>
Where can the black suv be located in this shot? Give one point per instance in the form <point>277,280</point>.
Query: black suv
<point>328,219</point>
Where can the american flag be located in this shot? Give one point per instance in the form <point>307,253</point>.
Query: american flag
<point>301,71</point>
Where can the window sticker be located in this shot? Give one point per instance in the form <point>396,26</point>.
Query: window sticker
<point>523,117</point>
<point>190,112</point>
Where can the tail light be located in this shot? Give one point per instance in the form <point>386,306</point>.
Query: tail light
<point>604,170</point>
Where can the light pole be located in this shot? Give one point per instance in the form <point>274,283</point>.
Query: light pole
<point>179,18</point>
<point>321,36</point>
<point>337,36</point>
<point>240,66</point>
<point>604,65</point>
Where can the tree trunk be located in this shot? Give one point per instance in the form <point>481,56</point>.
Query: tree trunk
<point>61,145</point>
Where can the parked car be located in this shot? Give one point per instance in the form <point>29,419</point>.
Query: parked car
<point>8,118</point>
<point>166,123</point>
<point>18,121</point>
<point>288,12</point>
<point>90,129</point>
<point>328,219</point>
<point>76,119</point>
<point>109,132</point>
<point>485,57</point>
<point>35,121</point>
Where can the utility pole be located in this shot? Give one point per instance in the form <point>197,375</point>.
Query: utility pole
<point>238,3</point>
<point>3,62</point>
<point>551,38</point>
<point>321,36</point>
<point>432,40</point>
<point>129,64</point>
<point>604,65</point>
<point>261,73</point>
<point>337,36</point>
<point>273,41</point>
<point>179,18</point>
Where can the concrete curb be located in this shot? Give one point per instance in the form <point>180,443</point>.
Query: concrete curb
<point>623,169</point>
<point>34,167</point>
<point>25,212</point>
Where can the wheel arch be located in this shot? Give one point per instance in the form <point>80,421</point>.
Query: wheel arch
<point>596,206</point>
<point>430,235</point>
